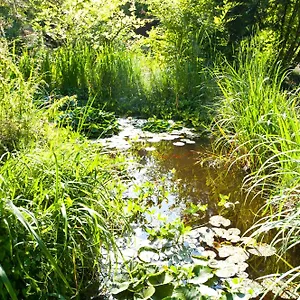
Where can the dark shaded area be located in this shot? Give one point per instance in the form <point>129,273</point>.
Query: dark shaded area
<point>144,30</point>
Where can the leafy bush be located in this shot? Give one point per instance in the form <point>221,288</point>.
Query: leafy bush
<point>20,123</point>
<point>90,121</point>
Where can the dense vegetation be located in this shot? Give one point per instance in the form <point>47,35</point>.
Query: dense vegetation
<point>68,67</point>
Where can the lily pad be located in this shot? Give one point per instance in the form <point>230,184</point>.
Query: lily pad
<point>150,149</point>
<point>227,270</point>
<point>179,144</point>
<point>154,140</point>
<point>262,250</point>
<point>234,231</point>
<point>187,141</point>
<point>160,278</point>
<point>209,254</point>
<point>207,291</point>
<point>170,137</point>
<point>203,274</point>
<point>145,293</point>
<point>148,254</point>
<point>204,234</point>
<point>237,253</point>
<point>219,221</point>
<point>119,287</point>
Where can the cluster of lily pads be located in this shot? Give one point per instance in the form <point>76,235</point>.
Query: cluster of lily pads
<point>135,130</point>
<point>208,262</point>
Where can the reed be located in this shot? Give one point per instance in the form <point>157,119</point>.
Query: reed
<point>60,202</point>
<point>259,124</point>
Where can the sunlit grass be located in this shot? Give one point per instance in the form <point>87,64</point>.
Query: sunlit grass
<point>60,199</point>
<point>259,125</point>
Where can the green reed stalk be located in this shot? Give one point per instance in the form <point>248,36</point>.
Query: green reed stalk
<point>260,124</point>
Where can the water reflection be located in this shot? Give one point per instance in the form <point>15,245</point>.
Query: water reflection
<point>174,178</point>
<point>197,177</point>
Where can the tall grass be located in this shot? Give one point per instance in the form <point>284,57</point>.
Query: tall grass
<point>108,74</point>
<point>126,81</point>
<point>259,123</point>
<point>18,126</point>
<point>60,202</point>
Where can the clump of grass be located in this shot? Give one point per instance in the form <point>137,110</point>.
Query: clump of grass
<point>18,124</point>
<point>60,199</point>
<point>259,124</point>
<point>107,74</point>
<point>59,207</point>
<point>256,117</point>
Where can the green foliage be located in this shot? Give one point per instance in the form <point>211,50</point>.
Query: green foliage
<point>260,125</point>
<point>40,22</point>
<point>57,208</point>
<point>90,121</point>
<point>172,269</point>
<point>60,205</point>
<point>19,122</point>
<point>157,125</point>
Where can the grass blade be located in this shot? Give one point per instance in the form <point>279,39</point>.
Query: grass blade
<point>7,284</point>
<point>41,244</point>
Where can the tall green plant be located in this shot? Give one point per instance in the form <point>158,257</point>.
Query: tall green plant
<point>260,125</point>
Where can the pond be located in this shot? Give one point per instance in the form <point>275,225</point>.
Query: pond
<point>177,176</point>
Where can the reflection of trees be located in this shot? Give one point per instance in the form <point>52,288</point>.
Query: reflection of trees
<point>200,183</point>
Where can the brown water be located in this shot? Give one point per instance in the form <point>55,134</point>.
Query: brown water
<point>192,176</point>
<point>197,176</point>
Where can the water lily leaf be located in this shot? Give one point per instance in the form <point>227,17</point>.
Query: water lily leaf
<point>160,278</point>
<point>186,293</point>
<point>221,232</point>
<point>163,291</point>
<point>155,139</point>
<point>234,253</point>
<point>148,254</point>
<point>119,287</point>
<point>207,291</point>
<point>209,254</point>
<point>187,141</point>
<point>145,293</point>
<point>170,137</point>
<point>262,250</point>
<point>200,261</point>
<point>178,144</point>
<point>204,234</point>
<point>219,221</point>
<point>149,149</point>
<point>234,231</point>
<point>203,274</point>
<point>227,270</point>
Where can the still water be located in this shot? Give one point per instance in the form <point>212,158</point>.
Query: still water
<point>182,178</point>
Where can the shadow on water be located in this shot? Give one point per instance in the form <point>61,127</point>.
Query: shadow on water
<point>197,177</point>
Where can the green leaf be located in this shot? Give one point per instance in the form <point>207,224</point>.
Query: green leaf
<point>119,287</point>
<point>7,284</point>
<point>160,278</point>
<point>145,293</point>
<point>147,254</point>
<point>41,244</point>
